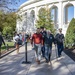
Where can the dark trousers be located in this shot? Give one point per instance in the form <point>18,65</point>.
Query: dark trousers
<point>43,51</point>
<point>60,49</point>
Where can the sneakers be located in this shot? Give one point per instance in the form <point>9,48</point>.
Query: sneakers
<point>47,60</point>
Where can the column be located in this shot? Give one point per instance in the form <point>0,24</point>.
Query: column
<point>66,15</point>
<point>28,21</point>
<point>55,17</point>
<point>25,21</point>
<point>60,20</point>
<point>33,19</point>
<point>36,16</point>
<point>36,13</point>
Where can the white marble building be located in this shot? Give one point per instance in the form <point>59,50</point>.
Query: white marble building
<point>29,11</point>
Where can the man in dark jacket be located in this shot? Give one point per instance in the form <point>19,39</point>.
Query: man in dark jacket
<point>60,41</point>
<point>49,39</point>
<point>1,41</point>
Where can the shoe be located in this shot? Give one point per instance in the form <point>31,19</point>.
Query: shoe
<point>38,62</point>
<point>59,55</point>
<point>47,61</point>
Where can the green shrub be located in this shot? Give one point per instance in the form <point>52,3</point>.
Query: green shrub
<point>70,34</point>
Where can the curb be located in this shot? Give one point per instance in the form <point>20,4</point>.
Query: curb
<point>9,52</point>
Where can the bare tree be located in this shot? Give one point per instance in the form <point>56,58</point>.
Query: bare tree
<point>8,5</point>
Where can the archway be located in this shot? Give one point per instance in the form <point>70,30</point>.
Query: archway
<point>68,13</point>
<point>24,25</point>
<point>32,17</point>
<point>54,14</point>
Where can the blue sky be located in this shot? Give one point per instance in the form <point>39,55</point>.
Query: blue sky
<point>70,10</point>
<point>70,13</point>
<point>21,2</point>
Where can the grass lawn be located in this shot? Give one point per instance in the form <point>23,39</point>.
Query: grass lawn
<point>10,45</point>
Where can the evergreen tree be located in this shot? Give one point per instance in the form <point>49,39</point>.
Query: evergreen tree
<point>45,19</point>
<point>70,34</point>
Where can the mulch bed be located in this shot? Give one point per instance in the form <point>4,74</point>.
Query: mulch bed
<point>5,51</point>
<point>70,53</point>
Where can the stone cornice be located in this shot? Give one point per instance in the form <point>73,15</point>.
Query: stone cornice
<point>28,2</point>
<point>35,1</point>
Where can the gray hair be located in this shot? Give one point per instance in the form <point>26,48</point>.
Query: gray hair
<point>49,31</point>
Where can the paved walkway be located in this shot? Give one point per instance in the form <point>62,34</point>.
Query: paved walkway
<point>12,64</point>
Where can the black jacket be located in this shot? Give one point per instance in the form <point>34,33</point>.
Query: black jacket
<point>1,40</point>
<point>59,38</point>
<point>43,35</point>
<point>49,40</point>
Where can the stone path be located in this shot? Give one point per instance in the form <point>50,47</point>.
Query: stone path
<point>12,64</point>
<point>58,66</point>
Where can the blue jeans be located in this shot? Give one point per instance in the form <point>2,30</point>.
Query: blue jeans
<point>60,49</point>
<point>48,51</point>
<point>43,50</point>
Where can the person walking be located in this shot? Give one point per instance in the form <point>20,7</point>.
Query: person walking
<point>20,36</point>
<point>26,37</point>
<point>43,32</point>
<point>17,38</point>
<point>60,42</point>
<point>49,39</point>
<point>37,42</point>
<point>1,41</point>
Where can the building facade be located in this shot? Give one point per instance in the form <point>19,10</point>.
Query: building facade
<point>59,9</point>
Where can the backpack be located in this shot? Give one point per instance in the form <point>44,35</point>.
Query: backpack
<point>59,38</point>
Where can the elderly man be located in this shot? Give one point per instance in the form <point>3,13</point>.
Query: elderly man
<point>49,39</point>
